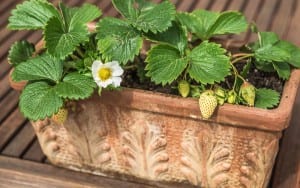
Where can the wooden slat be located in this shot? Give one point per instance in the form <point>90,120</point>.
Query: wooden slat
<point>10,126</point>
<point>34,152</point>
<point>18,173</point>
<point>5,5</point>
<point>4,86</point>
<point>8,104</point>
<point>203,4</point>
<point>20,142</point>
<point>264,17</point>
<point>294,28</point>
<point>108,9</point>
<point>237,5</point>
<point>218,6</point>
<point>251,11</point>
<point>282,17</point>
<point>185,5</point>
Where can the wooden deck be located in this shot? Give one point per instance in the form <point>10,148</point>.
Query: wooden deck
<point>22,163</point>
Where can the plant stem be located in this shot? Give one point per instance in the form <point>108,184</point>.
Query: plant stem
<point>236,75</point>
<point>241,78</point>
<point>130,67</point>
<point>239,55</point>
<point>79,51</point>
<point>74,57</point>
<point>241,58</point>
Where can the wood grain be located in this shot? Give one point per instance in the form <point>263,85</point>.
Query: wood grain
<point>25,174</point>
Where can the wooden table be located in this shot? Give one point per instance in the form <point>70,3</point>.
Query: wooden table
<point>22,163</point>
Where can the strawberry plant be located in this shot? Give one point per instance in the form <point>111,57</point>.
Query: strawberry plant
<point>183,54</point>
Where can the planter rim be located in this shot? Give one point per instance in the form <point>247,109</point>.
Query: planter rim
<point>235,115</point>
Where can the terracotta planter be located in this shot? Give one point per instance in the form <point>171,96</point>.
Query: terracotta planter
<point>18,86</point>
<point>162,138</point>
<point>147,136</point>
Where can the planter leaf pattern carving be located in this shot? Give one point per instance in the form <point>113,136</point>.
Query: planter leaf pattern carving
<point>259,164</point>
<point>82,141</point>
<point>205,162</point>
<point>144,149</point>
<point>107,140</point>
<point>89,136</point>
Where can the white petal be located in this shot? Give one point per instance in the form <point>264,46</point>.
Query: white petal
<point>117,71</point>
<point>105,83</point>
<point>116,81</point>
<point>112,63</point>
<point>95,68</point>
<point>96,64</point>
<point>116,68</point>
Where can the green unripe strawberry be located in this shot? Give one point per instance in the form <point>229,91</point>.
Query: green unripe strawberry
<point>220,94</point>
<point>183,88</point>
<point>195,91</point>
<point>207,103</point>
<point>61,116</point>
<point>247,92</point>
<point>232,97</point>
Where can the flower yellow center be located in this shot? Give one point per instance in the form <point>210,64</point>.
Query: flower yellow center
<point>104,73</point>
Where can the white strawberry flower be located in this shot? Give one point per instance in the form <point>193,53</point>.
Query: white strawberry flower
<point>105,74</point>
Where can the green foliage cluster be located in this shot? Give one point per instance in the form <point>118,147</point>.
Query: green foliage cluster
<point>182,51</point>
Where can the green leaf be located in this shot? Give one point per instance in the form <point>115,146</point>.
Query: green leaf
<point>146,16</point>
<point>198,22</point>
<point>39,100</point>
<point>20,52</point>
<point>126,8</point>
<point>155,17</point>
<point>32,14</point>
<point>208,63</point>
<point>264,39</point>
<point>268,38</point>
<point>39,68</point>
<point>75,86</point>
<point>206,24</point>
<point>283,69</point>
<point>164,64</point>
<point>272,53</point>
<point>295,57</point>
<point>207,19</point>
<point>174,36</point>
<point>229,22</point>
<point>294,52</point>
<point>270,48</point>
<point>266,98</point>
<point>118,40</point>
<point>63,34</point>
<point>59,42</point>
<point>85,14</point>
<point>264,66</point>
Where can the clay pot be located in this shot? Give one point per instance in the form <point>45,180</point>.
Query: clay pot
<point>162,138</point>
<point>19,86</point>
<point>142,135</point>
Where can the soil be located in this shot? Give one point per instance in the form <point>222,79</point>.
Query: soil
<point>256,77</point>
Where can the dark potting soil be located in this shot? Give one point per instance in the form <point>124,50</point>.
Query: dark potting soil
<point>256,77</point>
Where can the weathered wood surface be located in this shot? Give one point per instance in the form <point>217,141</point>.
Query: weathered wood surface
<point>19,173</point>
<point>18,141</point>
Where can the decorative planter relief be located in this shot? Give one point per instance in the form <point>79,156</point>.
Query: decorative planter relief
<point>118,133</point>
